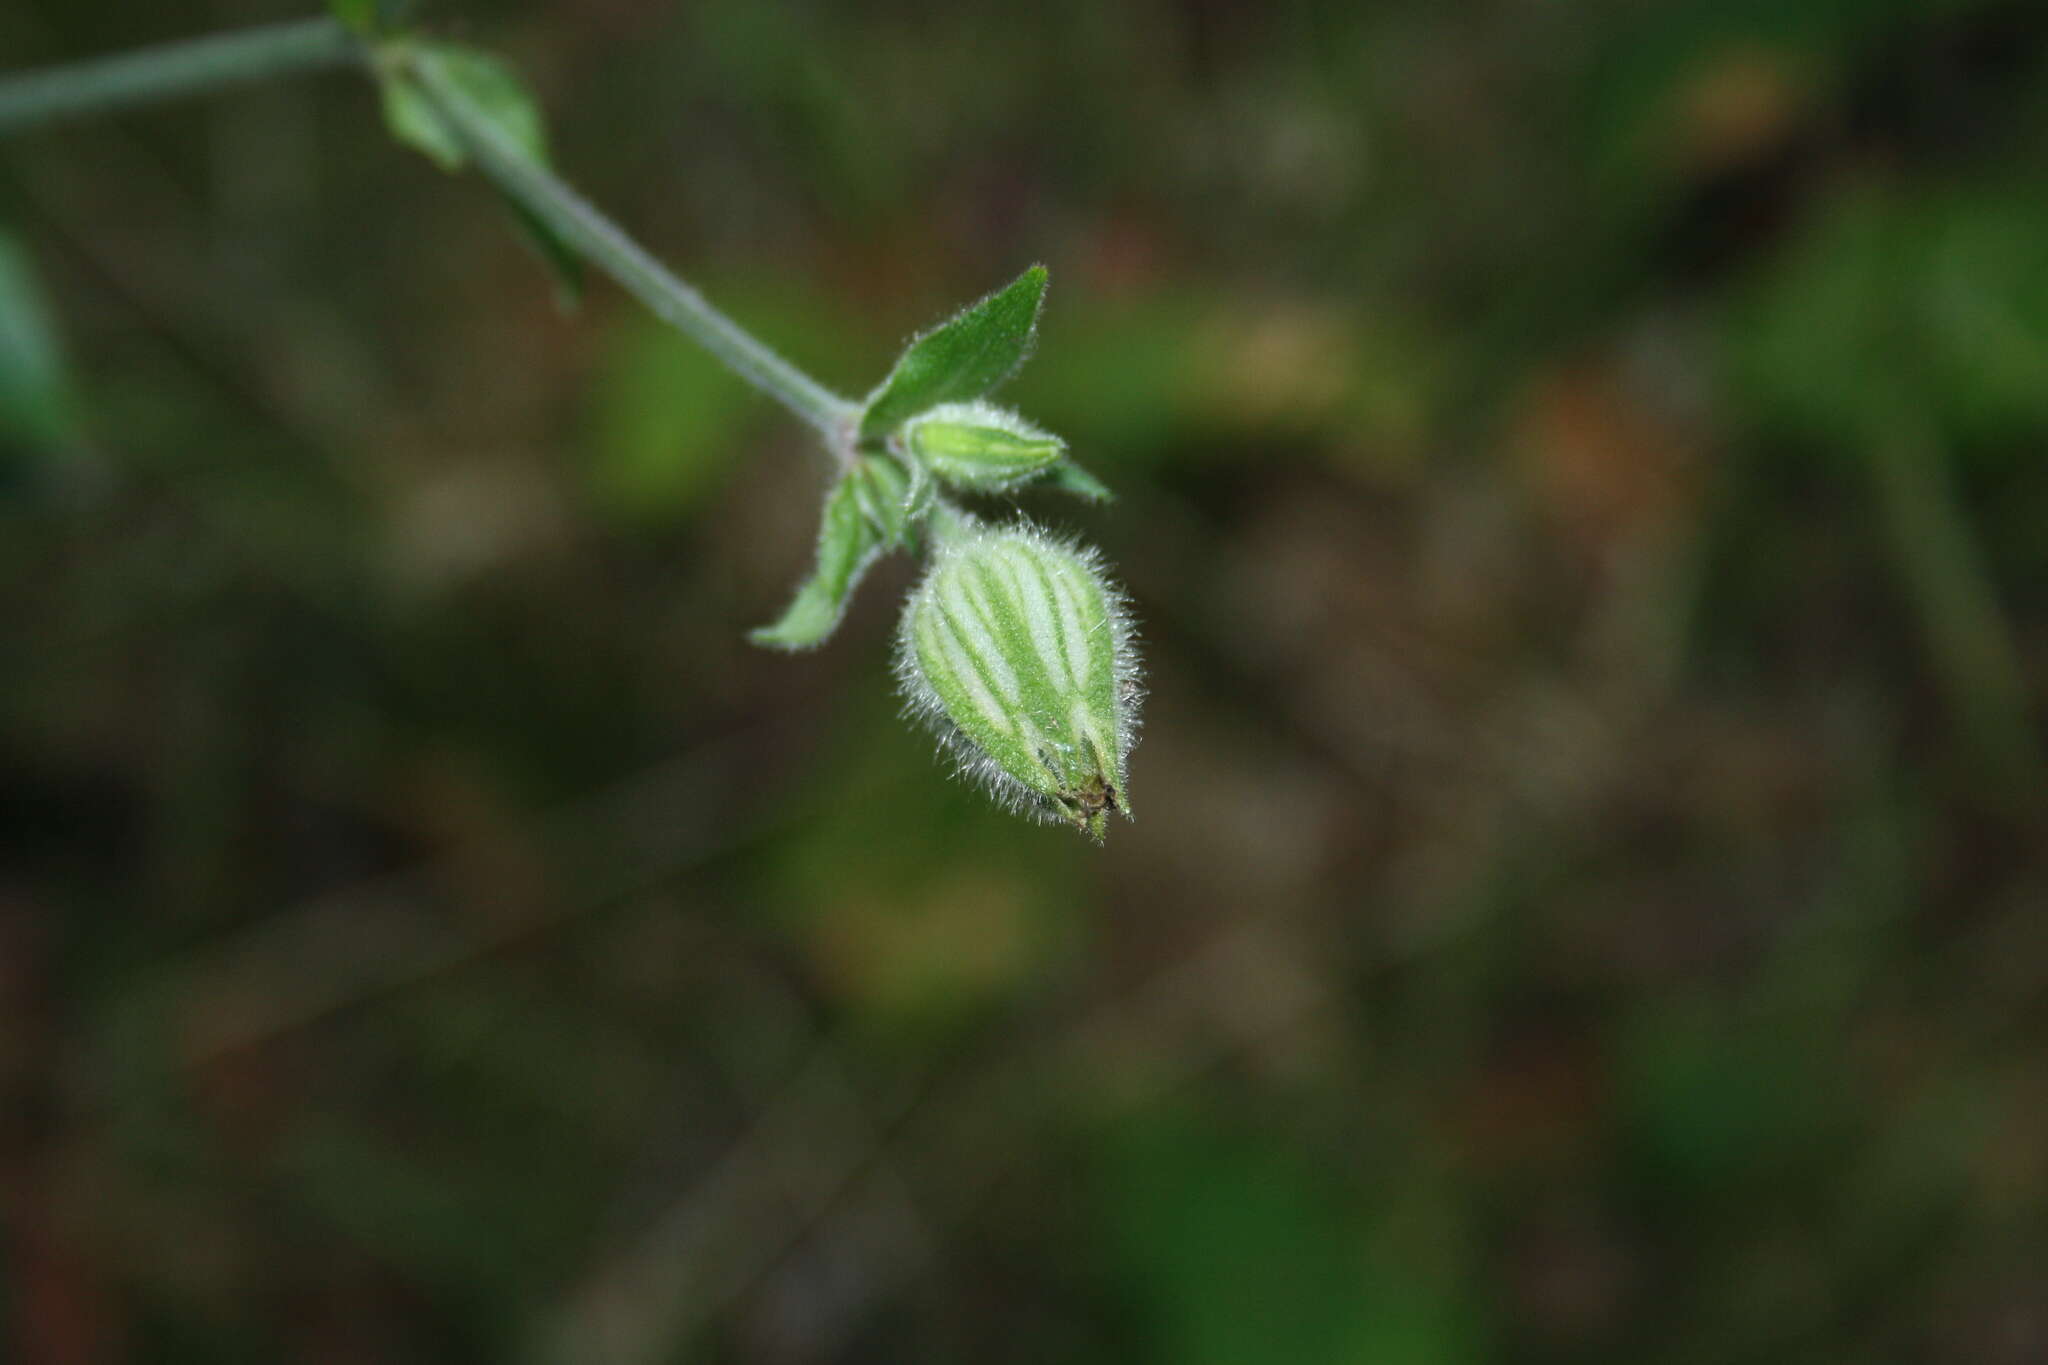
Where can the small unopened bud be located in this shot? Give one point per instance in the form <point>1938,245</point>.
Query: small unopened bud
<point>980,446</point>
<point>1017,651</point>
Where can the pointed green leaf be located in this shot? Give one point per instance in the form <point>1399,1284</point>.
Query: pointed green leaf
<point>499,93</point>
<point>496,91</point>
<point>561,260</point>
<point>411,120</point>
<point>1069,477</point>
<point>864,515</point>
<point>960,359</point>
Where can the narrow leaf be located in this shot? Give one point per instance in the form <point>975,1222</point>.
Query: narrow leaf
<point>561,260</point>
<point>499,93</point>
<point>864,515</point>
<point>412,121</point>
<point>496,91</point>
<point>962,358</point>
<point>1069,477</point>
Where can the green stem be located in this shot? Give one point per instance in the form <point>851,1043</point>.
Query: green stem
<point>173,70</point>
<point>603,242</point>
<point>202,64</point>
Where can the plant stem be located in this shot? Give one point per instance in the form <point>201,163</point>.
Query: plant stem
<point>173,70</point>
<point>602,241</point>
<point>202,64</point>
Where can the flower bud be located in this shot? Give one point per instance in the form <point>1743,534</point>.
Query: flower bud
<point>980,446</point>
<point>1016,650</point>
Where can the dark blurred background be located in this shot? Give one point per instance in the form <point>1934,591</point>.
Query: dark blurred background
<point>1582,487</point>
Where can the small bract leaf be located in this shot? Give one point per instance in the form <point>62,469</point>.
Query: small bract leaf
<point>962,358</point>
<point>919,498</point>
<point>885,492</point>
<point>1069,477</point>
<point>1017,651</point>
<point>980,446</point>
<point>564,266</point>
<point>496,90</point>
<point>412,121</point>
<point>498,94</point>
<point>863,517</point>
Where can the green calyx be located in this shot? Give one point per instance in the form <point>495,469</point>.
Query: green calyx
<point>981,447</point>
<point>1016,651</point>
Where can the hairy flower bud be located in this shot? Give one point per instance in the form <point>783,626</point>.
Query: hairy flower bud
<point>980,446</point>
<point>1017,651</point>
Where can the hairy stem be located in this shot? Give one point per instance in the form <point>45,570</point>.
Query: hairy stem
<point>603,242</point>
<point>173,70</point>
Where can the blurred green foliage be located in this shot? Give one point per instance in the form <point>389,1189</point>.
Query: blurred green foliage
<point>1579,473</point>
<point>665,418</point>
<point>36,410</point>
<point>1937,302</point>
